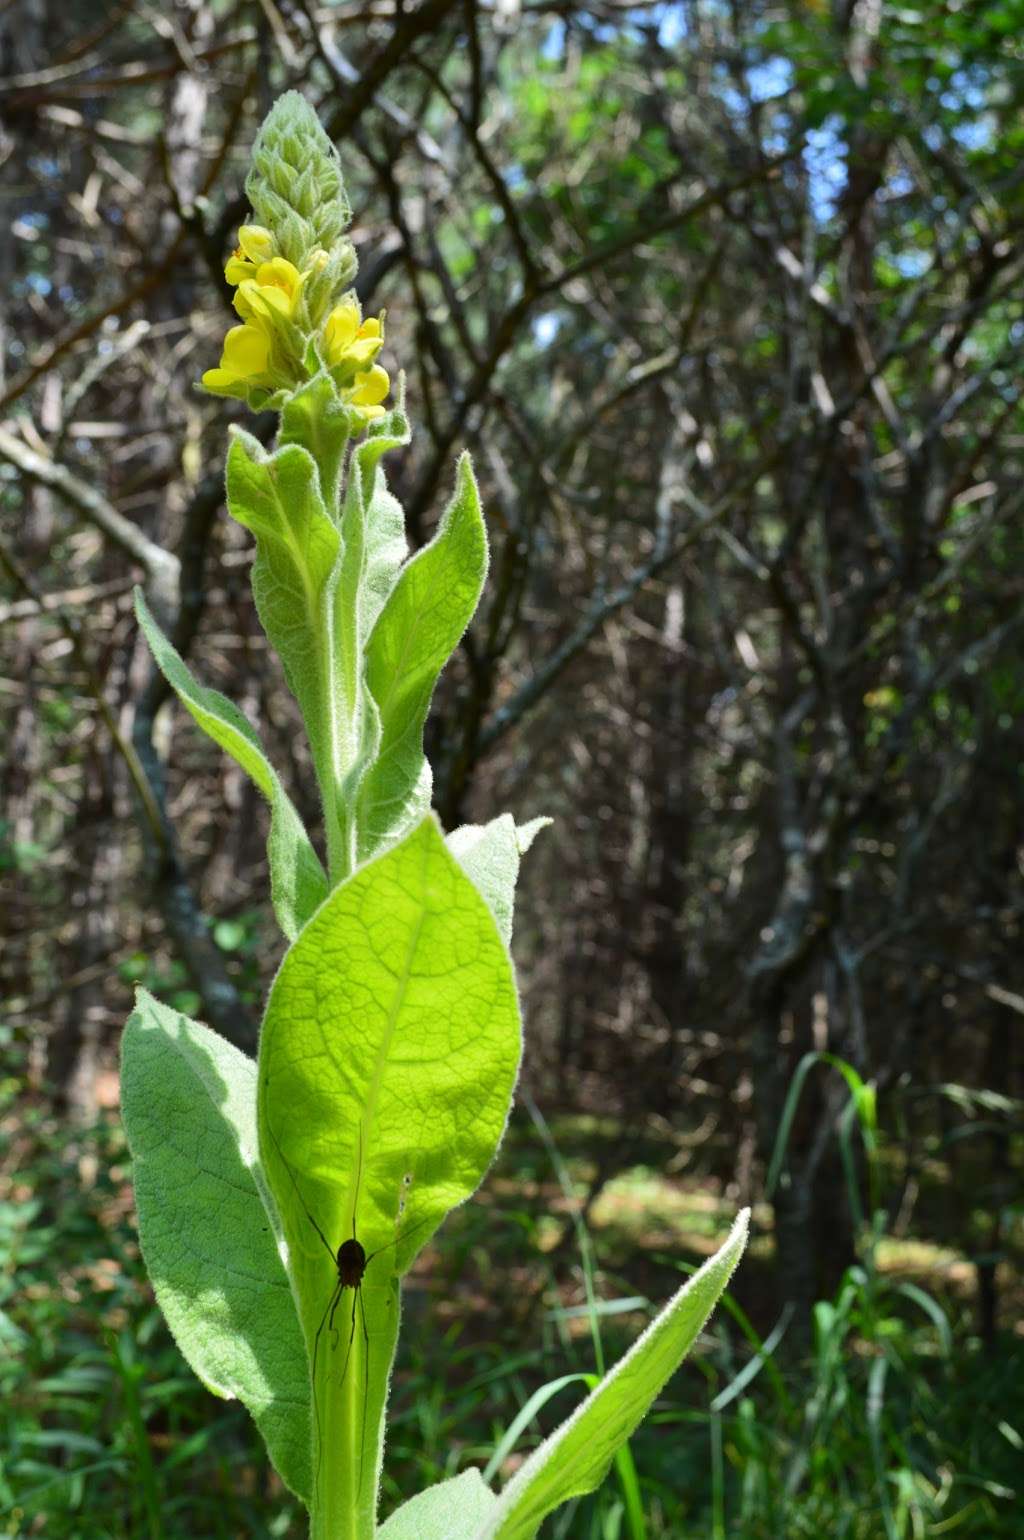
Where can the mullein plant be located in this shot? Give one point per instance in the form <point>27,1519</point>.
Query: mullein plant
<point>281,1201</point>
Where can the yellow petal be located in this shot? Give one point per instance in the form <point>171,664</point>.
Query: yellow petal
<point>256,242</point>
<point>340,330</point>
<point>219,379</point>
<point>363,351</point>
<point>246,352</point>
<point>371,327</point>
<point>238,268</point>
<point>261,301</point>
<point>371,387</point>
<point>281,274</point>
<point>269,298</point>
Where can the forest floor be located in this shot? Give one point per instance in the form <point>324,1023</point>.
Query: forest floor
<point>896,1423</point>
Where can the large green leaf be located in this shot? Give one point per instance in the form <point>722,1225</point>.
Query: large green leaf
<point>387,1062</point>
<point>425,614</point>
<point>576,1458</point>
<point>298,883</point>
<point>189,1105</point>
<point>451,1510</point>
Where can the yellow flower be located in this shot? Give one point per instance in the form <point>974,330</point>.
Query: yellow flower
<point>370,390</point>
<point>350,346</point>
<point>245,361</point>
<point>255,245</point>
<point>349,341</point>
<point>273,291</point>
<point>264,353</point>
<point>258,355</point>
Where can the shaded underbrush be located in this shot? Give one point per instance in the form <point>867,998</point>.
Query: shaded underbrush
<point>896,1424</point>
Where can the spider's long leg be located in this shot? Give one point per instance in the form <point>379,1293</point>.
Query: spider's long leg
<point>298,1194</point>
<point>335,1302</point>
<point>366,1380</point>
<point>329,1309</point>
<point>351,1335</point>
<point>409,1230</point>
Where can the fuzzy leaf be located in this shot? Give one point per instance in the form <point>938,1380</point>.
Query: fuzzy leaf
<point>386,546</point>
<point>451,1510</point>
<point>189,1104</point>
<point>373,549</point>
<point>277,496</point>
<point>315,417</point>
<point>526,833</point>
<point>426,613</point>
<point>388,1056</point>
<point>297,880</point>
<point>576,1458</point>
<point>489,855</point>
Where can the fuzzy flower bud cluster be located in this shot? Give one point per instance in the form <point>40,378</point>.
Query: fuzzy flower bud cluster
<point>290,270</point>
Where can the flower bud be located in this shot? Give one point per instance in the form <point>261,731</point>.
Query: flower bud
<point>296,187</point>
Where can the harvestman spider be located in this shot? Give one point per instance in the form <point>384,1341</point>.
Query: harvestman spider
<point>350,1263</point>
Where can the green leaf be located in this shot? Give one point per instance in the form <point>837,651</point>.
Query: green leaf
<point>277,496</point>
<point>385,542</point>
<point>387,1061</point>
<point>527,832</point>
<point>489,855</point>
<point>426,613</point>
<point>372,531</point>
<point>373,550</point>
<point>452,1510</point>
<point>577,1456</point>
<point>315,418</point>
<point>189,1104</point>
<point>862,1095</point>
<point>298,884</point>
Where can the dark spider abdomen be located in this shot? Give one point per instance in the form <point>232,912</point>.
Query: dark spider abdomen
<point>351,1263</point>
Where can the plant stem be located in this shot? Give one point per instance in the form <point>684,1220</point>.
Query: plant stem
<point>344,1503</point>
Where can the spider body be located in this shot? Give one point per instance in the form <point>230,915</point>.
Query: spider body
<point>351,1264</point>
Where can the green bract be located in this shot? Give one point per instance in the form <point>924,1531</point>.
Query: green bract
<point>280,1202</point>
<point>296,190</point>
